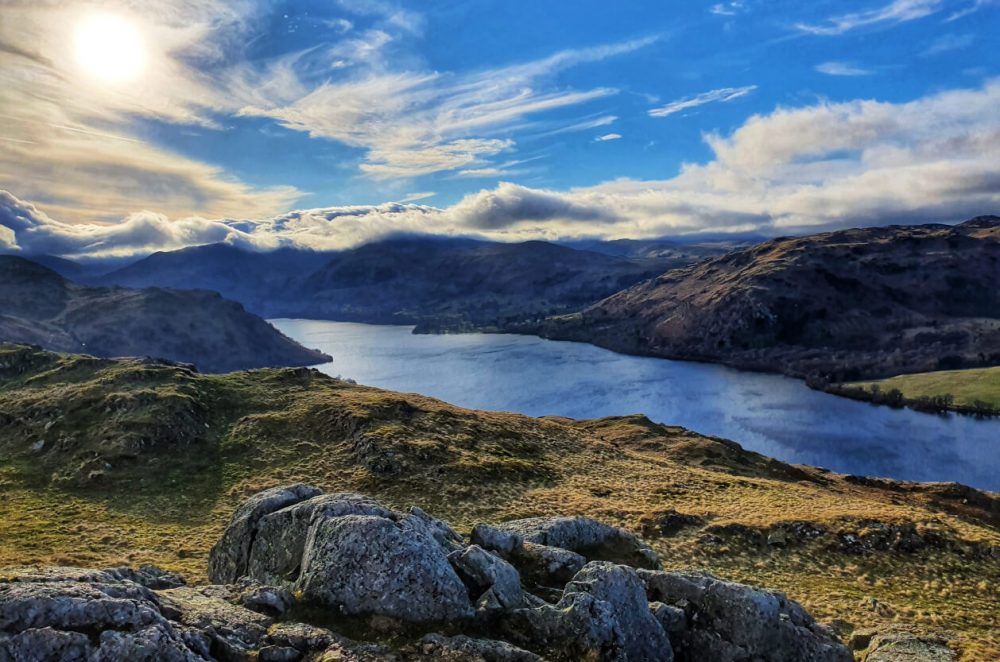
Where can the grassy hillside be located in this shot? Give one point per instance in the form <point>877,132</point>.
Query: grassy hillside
<point>124,461</point>
<point>841,306</point>
<point>977,388</point>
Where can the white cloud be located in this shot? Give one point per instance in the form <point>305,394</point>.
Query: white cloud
<point>608,136</point>
<point>842,69</point>
<point>723,95</point>
<point>822,166</point>
<point>898,11</point>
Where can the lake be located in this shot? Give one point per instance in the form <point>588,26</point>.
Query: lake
<point>770,414</point>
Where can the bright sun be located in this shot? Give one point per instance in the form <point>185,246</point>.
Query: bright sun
<point>110,48</point>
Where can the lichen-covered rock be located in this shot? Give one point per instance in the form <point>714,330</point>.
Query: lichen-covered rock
<point>467,649</point>
<point>232,629</point>
<point>44,612</point>
<point>541,565</point>
<point>731,622</point>
<point>903,646</point>
<point>496,540</point>
<point>594,540</point>
<point>229,557</point>
<point>363,565</point>
<point>603,615</point>
<point>349,553</point>
<point>483,572</point>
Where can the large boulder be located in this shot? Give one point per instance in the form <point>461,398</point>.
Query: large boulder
<point>544,566</point>
<point>602,616</point>
<point>363,565</point>
<point>902,646</point>
<point>592,539</point>
<point>228,559</point>
<point>346,552</point>
<point>730,622</point>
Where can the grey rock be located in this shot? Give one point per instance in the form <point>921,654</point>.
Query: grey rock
<point>231,628</point>
<point>363,565</point>
<point>445,536</point>
<point>44,611</point>
<point>275,555</point>
<point>541,565</point>
<point>348,552</point>
<point>594,540</point>
<point>903,646</point>
<point>483,572</point>
<point>496,540</point>
<point>466,649</point>
<point>229,557</point>
<point>603,615</point>
<point>672,619</point>
<point>731,622</point>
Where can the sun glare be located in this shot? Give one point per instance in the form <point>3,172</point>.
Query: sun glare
<point>110,48</point>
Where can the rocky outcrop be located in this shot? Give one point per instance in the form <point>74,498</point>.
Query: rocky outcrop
<point>731,622</point>
<point>346,552</point>
<point>412,588</point>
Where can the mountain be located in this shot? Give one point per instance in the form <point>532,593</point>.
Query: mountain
<point>39,306</point>
<point>853,304</point>
<point>456,283</point>
<point>436,283</point>
<point>113,461</point>
<point>255,279</point>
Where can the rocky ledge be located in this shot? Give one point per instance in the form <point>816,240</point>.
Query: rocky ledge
<point>302,575</point>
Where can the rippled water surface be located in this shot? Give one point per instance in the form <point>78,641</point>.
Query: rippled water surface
<point>774,415</point>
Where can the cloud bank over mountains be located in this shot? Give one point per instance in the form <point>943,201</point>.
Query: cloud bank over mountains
<point>795,169</point>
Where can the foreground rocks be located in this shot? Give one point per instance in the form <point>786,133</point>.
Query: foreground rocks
<point>296,568</point>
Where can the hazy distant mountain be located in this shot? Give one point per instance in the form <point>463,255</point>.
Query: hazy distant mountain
<point>39,306</point>
<point>252,278</point>
<point>433,282</point>
<point>841,305</point>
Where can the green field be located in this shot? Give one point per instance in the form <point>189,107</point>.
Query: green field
<point>966,387</point>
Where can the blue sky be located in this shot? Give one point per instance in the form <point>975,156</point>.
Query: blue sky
<point>506,118</point>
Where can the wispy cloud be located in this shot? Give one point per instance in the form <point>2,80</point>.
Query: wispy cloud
<point>949,42</point>
<point>834,68</point>
<point>898,11</point>
<point>607,137</point>
<point>413,197</point>
<point>731,8</point>
<point>971,8</point>
<point>412,124</point>
<point>722,95</point>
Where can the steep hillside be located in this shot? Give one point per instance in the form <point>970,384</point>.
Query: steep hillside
<point>439,284</point>
<point>40,307</point>
<point>110,462</point>
<point>854,304</point>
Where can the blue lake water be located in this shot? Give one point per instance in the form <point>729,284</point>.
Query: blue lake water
<point>773,415</point>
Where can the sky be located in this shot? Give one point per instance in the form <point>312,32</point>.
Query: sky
<point>129,127</point>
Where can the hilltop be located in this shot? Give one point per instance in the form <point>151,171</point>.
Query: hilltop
<point>38,306</point>
<point>840,306</point>
<point>110,462</point>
